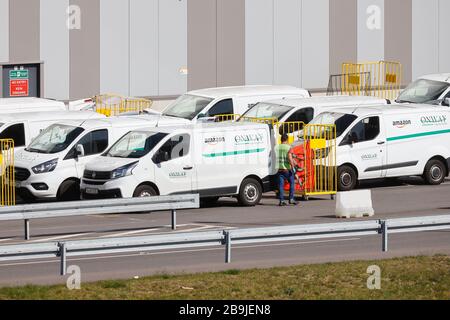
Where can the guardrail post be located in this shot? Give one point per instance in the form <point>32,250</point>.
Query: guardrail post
<point>174,220</point>
<point>384,234</point>
<point>27,229</point>
<point>62,255</point>
<point>227,247</point>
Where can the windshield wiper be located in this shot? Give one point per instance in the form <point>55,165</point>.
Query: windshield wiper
<point>36,150</point>
<point>403,101</point>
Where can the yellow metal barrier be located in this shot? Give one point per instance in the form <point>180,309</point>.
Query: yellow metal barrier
<point>292,129</point>
<point>385,79</point>
<point>320,168</point>
<point>113,105</point>
<point>8,182</point>
<point>236,117</point>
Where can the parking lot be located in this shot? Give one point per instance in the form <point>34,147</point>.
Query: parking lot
<point>392,199</point>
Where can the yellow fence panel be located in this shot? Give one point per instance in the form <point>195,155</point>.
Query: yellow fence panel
<point>320,164</point>
<point>8,182</point>
<point>385,79</point>
<point>113,105</point>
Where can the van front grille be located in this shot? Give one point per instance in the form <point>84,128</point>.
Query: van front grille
<point>97,175</point>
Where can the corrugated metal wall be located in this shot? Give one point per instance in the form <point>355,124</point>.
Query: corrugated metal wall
<point>165,47</point>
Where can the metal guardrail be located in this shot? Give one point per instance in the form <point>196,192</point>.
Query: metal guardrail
<point>225,238</point>
<point>98,207</point>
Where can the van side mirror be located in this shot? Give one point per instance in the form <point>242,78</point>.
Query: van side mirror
<point>446,102</point>
<point>79,150</point>
<point>348,140</point>
<point>161,156</point>
<point>201,115</point>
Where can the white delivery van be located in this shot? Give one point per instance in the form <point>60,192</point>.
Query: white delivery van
<point>305,109</point>
<point>430,89</point>
<point>208,103</point>
<point>52,165</point>
<point>16,105</point>
<point>24,127</point>
<point>398,141</point>
<point>214,160</point>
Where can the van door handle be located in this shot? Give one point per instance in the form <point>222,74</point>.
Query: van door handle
<point>188,168</point>
<point>381,143</point>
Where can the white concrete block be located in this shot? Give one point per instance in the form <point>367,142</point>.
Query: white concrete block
<point>354,204</point>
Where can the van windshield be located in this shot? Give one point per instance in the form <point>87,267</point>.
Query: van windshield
<point>54,139</point>
<point>187,107</point>
<point>341,120</point>
<point>264,110</point>
<point>135,144</point>
<point>423,91</point>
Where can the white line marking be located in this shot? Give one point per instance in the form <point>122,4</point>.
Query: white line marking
<point>115,235</point>
<point>59,237</point>
<point>4,240</point>
<point>179,251</point>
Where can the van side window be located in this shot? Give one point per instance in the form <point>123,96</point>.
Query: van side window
<point>221,107</point>
<point>175,148</point>
<point>15,132</point>
<point>95,142</point>
<point>366,130</point>
<point>303,115</point>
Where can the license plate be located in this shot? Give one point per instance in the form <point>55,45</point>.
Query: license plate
<point>91,191</point>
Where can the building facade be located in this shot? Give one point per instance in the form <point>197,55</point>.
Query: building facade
<point>166,47</point>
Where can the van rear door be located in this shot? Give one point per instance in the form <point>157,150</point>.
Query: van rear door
<point>368,147</point>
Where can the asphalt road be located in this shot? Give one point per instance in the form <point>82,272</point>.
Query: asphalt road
<point>393,199</point>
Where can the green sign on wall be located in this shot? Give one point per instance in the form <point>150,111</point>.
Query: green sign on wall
<point>18,74</point>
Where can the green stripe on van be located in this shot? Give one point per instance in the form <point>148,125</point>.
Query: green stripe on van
<point>417,135</point>
<point>234,153</point>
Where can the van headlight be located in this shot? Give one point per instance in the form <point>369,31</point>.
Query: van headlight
<point>45,167</point>
<point>124,171</point>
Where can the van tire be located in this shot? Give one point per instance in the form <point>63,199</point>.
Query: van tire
<point>69,191</point>
<point>347,178</point>
<point>144,191</point>
<point>250,193</point>
<point>435,172</point>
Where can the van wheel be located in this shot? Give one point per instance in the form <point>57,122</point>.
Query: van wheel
<point>69,191</point>
<point>347,179</point>
<point>144,192</point>
<point>435,172</point>
<point>250,193</point>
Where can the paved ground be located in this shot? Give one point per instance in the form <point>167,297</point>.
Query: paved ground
<point>403,198</point>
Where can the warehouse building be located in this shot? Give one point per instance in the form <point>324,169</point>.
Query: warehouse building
<point>162,48</point>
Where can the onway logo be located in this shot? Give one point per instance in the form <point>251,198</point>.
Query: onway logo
<point>433,120</point>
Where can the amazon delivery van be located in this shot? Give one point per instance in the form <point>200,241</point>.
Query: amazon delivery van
<point>24,127</point>
<point>388,142</point>
<point>52,165</point>
<point>208,103</point>
<point>214,160</point>
<point>305,109</point>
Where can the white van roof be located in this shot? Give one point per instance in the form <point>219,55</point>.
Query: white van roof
<point>392,109</point>
<point>19,103</point>
<point>49,115</point>
<point>441,77</point>
<point>328,101</point>
<point>245,91</point>
<point>214,126</point>
<point>114,122</point>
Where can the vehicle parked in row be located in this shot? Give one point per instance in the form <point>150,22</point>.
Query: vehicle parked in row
<point>214,160</point>
<point>429,89</point>
<point>208,103</point>
<point>305,109</point>
<point>24,127</point>
<point>399,141</point>
<point>17,105</point>
<point>52,165</point>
